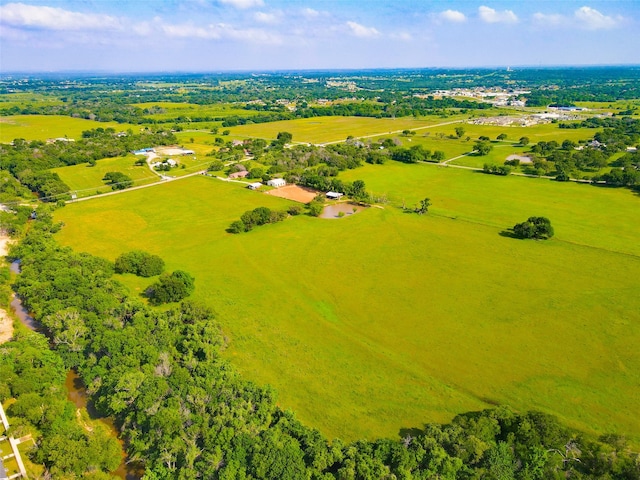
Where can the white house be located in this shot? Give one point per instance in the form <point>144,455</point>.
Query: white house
<point>276,182</point>
<point>254,186</point>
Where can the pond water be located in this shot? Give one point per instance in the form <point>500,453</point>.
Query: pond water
<point>338,210</point>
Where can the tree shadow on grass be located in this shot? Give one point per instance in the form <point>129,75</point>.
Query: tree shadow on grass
<point>509,234</point>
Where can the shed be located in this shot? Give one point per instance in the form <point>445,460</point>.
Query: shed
<point>254,186</point>
<point>276,182</point>
<point>334,195</point>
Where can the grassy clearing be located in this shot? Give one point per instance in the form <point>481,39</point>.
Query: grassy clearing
<point>385,320</point>
<point>86,180</point>
<point>333,129</point>
<point>42,127</point>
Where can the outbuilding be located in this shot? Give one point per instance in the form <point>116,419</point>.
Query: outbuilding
<point>334,195</point>
<point>254,186</point>
<point>277,182</point>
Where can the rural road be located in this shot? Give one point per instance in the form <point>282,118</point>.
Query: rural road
<point>391,133</point>
<point>116,192</point>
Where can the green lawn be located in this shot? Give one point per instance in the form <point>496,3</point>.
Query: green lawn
<point>42,127</point>
<point>385,320</point>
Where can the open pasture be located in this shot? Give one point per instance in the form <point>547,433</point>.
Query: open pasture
<point>496,156</point>
<point>387,320</point>
<point>9,100</point>
<point>174,110</point>
<point>202,141</point>
<point>536,133</point>
<point>336,129</point>
<point>42,127</point>
<point>85,180</point>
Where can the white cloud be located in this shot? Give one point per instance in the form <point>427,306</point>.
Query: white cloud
<point>361,31</point>
<point>310,12</point>
<point>190,31</point>
<point>452,16</point>
<point>403,36</point>
<point>219,31</point>
<point>264,17</point>
<point>548,19</point>
<point>585,17</point>
<point>53,18</point>
<point>243,4</point>
<point>592,19</point>
<point>489,15</point>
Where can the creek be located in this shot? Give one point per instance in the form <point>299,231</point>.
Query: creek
<point>77,391</point>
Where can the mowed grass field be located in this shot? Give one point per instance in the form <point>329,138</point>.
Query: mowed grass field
<point>85,180</point>
<point>335,129</point>
<point>42,127</point>
<point>385,320</point>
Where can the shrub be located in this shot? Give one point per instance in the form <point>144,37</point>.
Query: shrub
<point>139,263</point>
<point>171,288</point>
<point>294,210</point>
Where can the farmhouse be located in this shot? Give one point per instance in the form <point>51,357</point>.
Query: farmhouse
<point>334,195</point>
<point>240,174</point>
<point>276,182</point>
<point>254,186</point>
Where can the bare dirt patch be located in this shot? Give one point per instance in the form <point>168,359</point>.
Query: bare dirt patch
<point>6,327</point>
<point>295,193</point>
<point>522,158</point>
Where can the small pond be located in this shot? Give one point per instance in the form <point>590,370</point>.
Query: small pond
<point>338,210</point>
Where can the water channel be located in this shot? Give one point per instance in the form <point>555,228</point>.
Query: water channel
<point>77,391</point>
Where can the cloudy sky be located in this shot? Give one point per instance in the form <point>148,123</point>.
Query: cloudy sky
<point>218,35</point>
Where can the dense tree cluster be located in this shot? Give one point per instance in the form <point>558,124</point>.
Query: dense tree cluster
<point>502,170</point>
<point>535,227</point>
<point>117,180</point>
<point>185,413</point>
<point>171,287</point>
<point>139,263</point>
<point>414,154</point>
<point>255,218</point>
<point>34,376</point>
<point>569,158</point>
<point>356,189</point>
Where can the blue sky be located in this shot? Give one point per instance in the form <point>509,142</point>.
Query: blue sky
<point>221,35</point>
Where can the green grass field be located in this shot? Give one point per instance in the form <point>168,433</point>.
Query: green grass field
<point>334,129</point>
<point>42,127</point>
<point>85,180</point>
<point>386,320</point>
<point>174,110</point>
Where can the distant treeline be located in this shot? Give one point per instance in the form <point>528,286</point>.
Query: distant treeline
<point>186,413</point>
